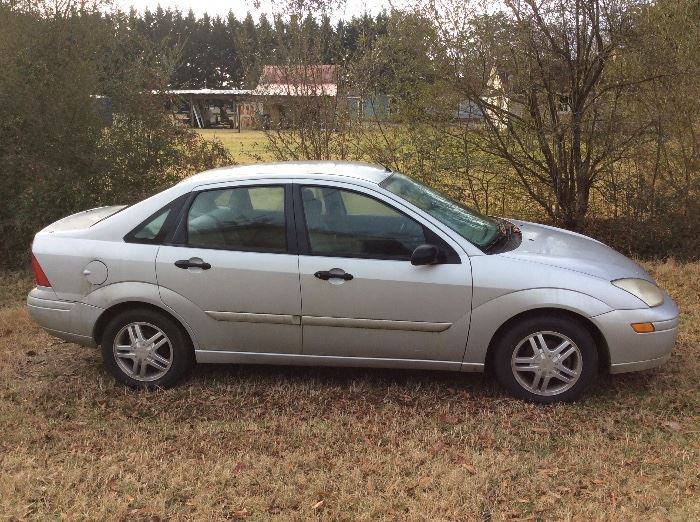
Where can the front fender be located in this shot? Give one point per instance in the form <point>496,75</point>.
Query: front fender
<point>488,317</point>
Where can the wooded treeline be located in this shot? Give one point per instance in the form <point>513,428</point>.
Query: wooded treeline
<point>590,108</point>
<point>229,52</point>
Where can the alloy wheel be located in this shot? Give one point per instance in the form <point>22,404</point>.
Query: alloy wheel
<point>143,351</point>
<point>546,363</point>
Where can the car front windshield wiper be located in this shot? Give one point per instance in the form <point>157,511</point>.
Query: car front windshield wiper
<point>504,232</point>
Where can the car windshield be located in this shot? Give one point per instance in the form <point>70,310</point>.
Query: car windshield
<point>472,226</point>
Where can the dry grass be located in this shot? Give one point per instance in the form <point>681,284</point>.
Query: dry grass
<point>292,444</point>
<point>248,146</point>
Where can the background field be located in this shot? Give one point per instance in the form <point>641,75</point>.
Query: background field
<point>295,443</point>
<point>247,146</point>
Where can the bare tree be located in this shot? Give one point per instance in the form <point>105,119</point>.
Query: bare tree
<point>309,117</point>
<point>550,78</point>
<point>305,118</point>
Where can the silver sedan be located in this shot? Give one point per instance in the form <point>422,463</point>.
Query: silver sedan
<point>343,264</point>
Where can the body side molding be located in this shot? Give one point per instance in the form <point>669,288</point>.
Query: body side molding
<point>375,324</point>
<point>345,322</point>
<point>245,317</point>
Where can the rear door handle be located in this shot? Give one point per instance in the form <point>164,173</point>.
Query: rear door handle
<point>191,263</point>
<point>333,273</point>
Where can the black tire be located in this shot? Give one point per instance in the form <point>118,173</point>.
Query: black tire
<point>180,352</point>
<point>555,325</point>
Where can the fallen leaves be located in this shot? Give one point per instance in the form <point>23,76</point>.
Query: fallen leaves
<point>446,418</point>
<point>672,425</point>
<point>469,468</point>
<point>550,472</point>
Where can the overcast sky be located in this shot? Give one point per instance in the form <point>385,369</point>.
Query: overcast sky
<point>221,7</point>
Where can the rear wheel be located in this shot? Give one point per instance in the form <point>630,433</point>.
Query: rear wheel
<point>546,359</point>
<point>143,348</point>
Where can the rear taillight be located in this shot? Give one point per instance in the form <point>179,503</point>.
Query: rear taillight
<point>39,275</point>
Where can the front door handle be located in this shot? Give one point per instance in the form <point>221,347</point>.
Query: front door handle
<point>333,273</point>
<point>191,263</point>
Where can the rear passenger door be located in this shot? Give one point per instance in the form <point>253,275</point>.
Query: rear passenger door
<point>231,269</point>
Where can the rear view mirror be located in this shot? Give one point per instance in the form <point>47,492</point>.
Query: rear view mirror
<point>425,255</point>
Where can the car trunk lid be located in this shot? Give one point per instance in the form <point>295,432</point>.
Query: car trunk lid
<point>84,219</point>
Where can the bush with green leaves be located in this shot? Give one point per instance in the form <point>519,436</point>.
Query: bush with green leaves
<point>56,155</point>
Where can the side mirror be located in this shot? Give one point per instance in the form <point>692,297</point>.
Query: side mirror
<point>425,255</point>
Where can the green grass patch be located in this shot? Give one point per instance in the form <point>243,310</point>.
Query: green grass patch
<point>248,146</point>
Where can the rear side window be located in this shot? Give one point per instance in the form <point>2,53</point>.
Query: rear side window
<point>241,218</point>
<point>157,226</point>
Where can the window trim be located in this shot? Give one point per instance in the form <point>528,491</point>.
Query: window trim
<point>179,236</point>
<point>449,254</point>
<point>168,227</point>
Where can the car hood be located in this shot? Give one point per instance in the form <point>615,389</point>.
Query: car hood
<point>569,250</point>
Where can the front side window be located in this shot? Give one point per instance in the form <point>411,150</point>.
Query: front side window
<point>472,226</point>
<point>243,218</point>
<point>342,223</point>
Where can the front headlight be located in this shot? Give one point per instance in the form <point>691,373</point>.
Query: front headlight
<point>641,289</point>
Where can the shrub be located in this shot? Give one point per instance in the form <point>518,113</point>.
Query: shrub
<point>56,158</point>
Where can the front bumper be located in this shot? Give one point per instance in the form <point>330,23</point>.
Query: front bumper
<point>631,351</point>
<point>71,321</point>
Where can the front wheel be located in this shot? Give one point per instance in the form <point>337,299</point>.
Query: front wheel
<point>143,348</point>
<point>546,359</point>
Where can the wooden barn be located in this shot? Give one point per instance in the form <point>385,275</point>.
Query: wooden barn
<point>280,87</point>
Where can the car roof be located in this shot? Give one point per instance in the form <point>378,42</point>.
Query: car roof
<point>293,169</point>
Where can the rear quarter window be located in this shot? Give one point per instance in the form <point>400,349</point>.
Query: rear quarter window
<point>152,229</point>
<point>156,228</point>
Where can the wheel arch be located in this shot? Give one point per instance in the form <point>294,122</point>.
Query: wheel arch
<point>111,312</point>
<point>598,337</point>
